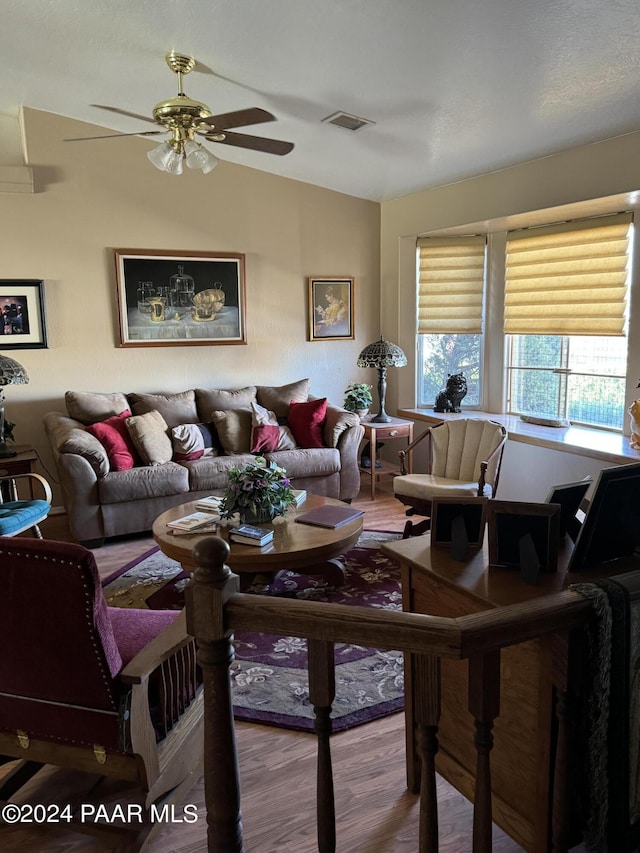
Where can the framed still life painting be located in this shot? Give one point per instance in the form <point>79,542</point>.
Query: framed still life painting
<point>180,298</point>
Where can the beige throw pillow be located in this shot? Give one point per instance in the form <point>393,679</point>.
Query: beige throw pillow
<point>150,435</point>
<point>234,430</point>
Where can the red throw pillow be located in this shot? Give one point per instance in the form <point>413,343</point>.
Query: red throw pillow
<point>306,421</point>
<point>115,438</point>
<point>265,438</point>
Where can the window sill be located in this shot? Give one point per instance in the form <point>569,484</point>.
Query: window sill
<point>599,444</point>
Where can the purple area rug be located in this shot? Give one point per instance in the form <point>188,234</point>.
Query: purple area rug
<point>269,674</point>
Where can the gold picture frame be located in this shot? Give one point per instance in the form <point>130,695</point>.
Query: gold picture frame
<point>331,308</point>
<point>180,298</point>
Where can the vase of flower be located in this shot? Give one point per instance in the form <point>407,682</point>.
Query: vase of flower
<point>257,492</point>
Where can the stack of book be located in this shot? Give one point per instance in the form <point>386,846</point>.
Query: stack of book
<point>300,495</point>
<point>245,534</point>
<point>195,522</point>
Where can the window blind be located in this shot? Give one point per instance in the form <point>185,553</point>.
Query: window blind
<point>450,285</point>
<point>568,279</point>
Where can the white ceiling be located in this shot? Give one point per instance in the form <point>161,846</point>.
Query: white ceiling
<point>455,87</point>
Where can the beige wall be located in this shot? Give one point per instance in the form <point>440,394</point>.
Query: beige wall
<point>92,197</point>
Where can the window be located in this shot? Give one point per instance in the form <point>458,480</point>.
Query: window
<point>451,273</point>
<point>581,378</point>
<point>565,324</point>
<point>566,314</point>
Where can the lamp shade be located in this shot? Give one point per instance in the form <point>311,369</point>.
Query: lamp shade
<point>382,354</point>
<point>12,373</point>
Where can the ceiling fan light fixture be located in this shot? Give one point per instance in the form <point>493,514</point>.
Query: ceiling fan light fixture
<point>198,157</point>
<point>160,155</point>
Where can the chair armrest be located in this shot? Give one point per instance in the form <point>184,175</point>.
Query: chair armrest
<point>402,454</point>
<point>44,485</point>
<point>155,653</point>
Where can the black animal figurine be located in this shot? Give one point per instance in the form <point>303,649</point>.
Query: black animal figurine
<point>449,399</point>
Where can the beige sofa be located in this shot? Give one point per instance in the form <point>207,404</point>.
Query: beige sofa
<point>171,460</point>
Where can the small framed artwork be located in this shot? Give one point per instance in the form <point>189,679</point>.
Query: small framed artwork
<point>180,298</point>
<point>22,307</point>
<point>331,309</point>
<point>524,536</point>
<point>458,520</point>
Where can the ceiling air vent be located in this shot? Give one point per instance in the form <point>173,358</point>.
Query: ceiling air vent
<point>346,121</point>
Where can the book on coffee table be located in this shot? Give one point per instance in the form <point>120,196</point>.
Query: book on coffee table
<point>192,521</point>
<point>330,516</point>
<point>212,503</point>
<point>248,535</point>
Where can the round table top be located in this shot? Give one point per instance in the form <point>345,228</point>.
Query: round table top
<point>294,546</point>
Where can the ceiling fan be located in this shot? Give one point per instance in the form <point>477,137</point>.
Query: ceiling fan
<point>186,119</point>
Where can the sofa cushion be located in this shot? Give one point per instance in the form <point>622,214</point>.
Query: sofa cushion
<point>136,484</point>
<point>307,462</point>
<point>306,421</point>
<point>113,434</point>
<point>234,430</point>
<point>278,398</point>
<point>179,408</point>
<point>89,408</point>
<point>191,441</point>
<point>150,435</point>
<point>212,472</point>
<point>213,400</point>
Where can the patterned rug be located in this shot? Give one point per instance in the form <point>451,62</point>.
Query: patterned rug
<point>269,675</point>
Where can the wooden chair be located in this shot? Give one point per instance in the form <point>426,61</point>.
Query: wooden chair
<point>17,515</point>
<point>108,691</point>
<point>464,458</point>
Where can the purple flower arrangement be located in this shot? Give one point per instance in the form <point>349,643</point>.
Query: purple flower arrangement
<point>258,491</point>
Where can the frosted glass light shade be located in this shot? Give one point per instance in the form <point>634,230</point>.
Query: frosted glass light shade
<point>160,155</point>
<point>199,158</point>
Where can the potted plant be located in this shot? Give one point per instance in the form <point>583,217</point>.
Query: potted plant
<point>257,492</point>
<point>357,398</point>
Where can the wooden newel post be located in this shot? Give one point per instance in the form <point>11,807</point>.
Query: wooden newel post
<point>427,719</point>
<point>211,586</point>
<point>484,704</point>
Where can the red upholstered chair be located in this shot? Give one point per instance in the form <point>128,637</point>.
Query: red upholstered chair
<point>108,691</point>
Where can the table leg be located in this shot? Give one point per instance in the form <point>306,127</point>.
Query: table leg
<point>374,457</point>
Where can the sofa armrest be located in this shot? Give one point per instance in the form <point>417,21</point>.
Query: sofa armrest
<point>336,422</point>
<point>343,430</point>
<point>78,477</point>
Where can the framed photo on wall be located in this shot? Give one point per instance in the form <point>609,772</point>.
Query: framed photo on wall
<point>180,298</point>
<point>331,309</point>
<point>22,307</point>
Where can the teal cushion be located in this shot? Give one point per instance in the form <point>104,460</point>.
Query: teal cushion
<point>18,515</point>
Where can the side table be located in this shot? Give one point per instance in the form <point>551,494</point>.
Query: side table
<point>374,432</point>
<point>23,462</point>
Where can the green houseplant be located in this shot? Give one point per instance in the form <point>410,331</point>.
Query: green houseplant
<point>257,492</point>
<point>357,397</point>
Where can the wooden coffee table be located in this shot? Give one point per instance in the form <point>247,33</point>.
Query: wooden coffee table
<point>300,548</point>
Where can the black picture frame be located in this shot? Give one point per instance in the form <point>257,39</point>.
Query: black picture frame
<point>471,510</point>
<point>611,527</point>
<point>182,324</point>
<point>570,497</point>
<point>23,319</point>
<point>523,536</point>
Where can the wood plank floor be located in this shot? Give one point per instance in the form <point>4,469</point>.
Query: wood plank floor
<point>375,812</point>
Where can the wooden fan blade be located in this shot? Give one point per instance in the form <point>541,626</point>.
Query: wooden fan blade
<point>256,143</point>
<point>123,112</point>
<point>116,135</point>
<point>239,118</point>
